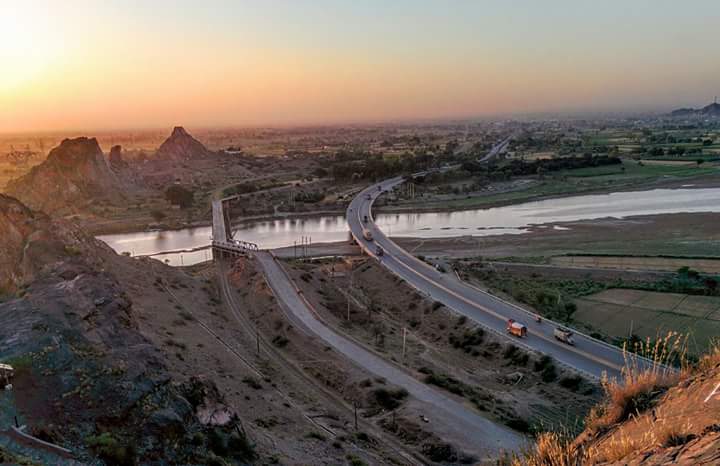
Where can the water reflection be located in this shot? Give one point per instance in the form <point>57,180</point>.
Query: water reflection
<point>482,222</point>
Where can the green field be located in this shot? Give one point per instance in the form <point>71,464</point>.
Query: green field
<point>650,314</point>
<point>633,171</point>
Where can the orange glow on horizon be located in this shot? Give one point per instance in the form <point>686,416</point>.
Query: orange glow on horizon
<point>113,65</point>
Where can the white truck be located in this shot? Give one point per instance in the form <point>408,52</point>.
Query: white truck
<point>565,336</point>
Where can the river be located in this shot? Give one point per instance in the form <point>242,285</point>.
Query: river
<point>513,219</point>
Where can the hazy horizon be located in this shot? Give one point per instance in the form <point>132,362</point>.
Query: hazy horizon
<point>119,65</point>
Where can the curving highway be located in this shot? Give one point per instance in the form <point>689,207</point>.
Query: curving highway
<point>588,355</point>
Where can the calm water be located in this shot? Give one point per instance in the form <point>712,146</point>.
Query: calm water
<point>515,219</point>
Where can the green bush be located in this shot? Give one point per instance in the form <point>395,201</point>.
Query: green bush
<point>111,450</point>
<point>389,399</point>
<point>571,382</point>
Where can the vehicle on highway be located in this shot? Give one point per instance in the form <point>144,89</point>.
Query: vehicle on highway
<point>368,197</point>
<point>367,234</point>
<point>565,336</point>
<point>365,218</point>
<point>516,328</point>
<point>379,251</point>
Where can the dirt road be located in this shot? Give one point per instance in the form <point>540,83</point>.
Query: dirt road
<point>447,416</point>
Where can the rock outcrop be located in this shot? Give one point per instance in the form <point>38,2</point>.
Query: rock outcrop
<point>116,158</point>
<point>182,146</point>
<point>18,226</point>
<point>74,174</point>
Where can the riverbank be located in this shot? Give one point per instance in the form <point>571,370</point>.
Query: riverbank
<point>543,191</point>
<point>678,234</point>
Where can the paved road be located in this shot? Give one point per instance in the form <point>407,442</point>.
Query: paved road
<point>497,149</point>
<point>446,414</point>
<point>590,356</point>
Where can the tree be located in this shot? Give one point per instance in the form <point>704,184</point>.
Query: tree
<point>177,195</point>
<point>157,215</point>
<point>700,162</point>
<point>320,172</point>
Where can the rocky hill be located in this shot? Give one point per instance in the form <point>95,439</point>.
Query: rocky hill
<point>75,173</point>
<point>86,376</point>
<point>182,146</point>
<point>650,419</point>
<point>711,111</point>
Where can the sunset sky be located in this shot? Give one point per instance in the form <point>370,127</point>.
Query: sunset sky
<point>130,64</point>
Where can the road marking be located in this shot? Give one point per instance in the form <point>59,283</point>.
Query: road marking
<point>715,390</point>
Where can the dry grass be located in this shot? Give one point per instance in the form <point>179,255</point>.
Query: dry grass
<point>656,433</point>
<point>710,360</point>
<point>645,377</point>
<point>553,449</point>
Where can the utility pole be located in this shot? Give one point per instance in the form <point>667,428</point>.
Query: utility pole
<point>404,340</point>
<point>355,406</point>
<point>349,291</point>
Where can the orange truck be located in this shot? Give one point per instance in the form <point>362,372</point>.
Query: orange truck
<point>516,328</point>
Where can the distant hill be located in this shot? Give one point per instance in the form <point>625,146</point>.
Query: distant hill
<point>712,110</point>
<point>75,173</point>
<point>182,146</point>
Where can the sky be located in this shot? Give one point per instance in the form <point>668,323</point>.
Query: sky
<point>107,64</point>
